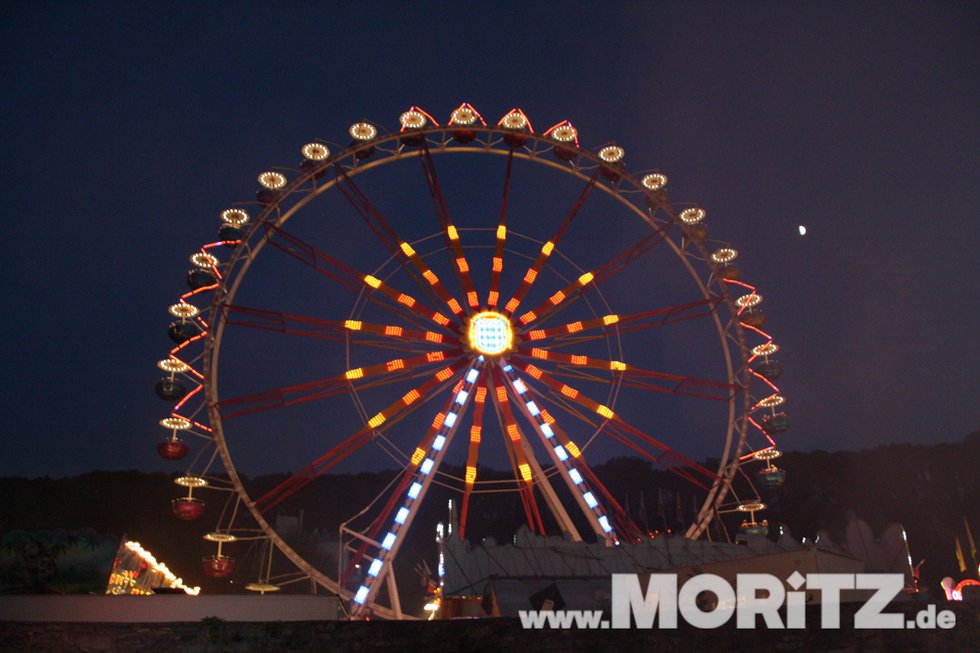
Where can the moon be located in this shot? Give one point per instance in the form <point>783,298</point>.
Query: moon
<point>802,230</point>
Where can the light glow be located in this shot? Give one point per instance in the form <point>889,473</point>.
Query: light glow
<point>692,216</point>
<point>363,131</point>
<point>315,152</point>
<point>401,516</point>
<point>184,310</point>
<point>204,260</point>
<point>654,181</point>
<point>272,180</point>
<point>412,119</point>
<point>748,301</point>
<point>490,333</point>
<point>234,217</point>
<point>724,255</point>
<point>612,153</point>
<point>361,595</point>
<point>172,365</point>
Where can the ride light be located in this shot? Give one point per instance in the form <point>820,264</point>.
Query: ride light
<point>388,542</point>
<point>450,419</point>
<point>375,568</point>
<point>361,595</point>
<point>401,516</point>
<point>427,466</point>
<point>576,477</point>
<point>413,492</point>
<point>547,431</point>
<point>472,375</point>
<point>561,453</point>
<point>533,408</point>
<point>590,500</point>
<point>604,522</point>
<point>438,442</point>
<point>490,333</point>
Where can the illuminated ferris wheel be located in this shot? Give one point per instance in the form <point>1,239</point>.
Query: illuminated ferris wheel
<point>526,304</point>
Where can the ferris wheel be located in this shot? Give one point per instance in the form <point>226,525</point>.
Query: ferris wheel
<point>526,303</point>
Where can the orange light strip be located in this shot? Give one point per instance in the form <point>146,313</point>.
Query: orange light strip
<point>431,277</point>
<point>407,300</point>
<point>473,453</point>
<point>497,266</point>
<point>557,299</point>
<point>398,364</point>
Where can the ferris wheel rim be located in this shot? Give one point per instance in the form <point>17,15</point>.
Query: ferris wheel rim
<point>225,294</point>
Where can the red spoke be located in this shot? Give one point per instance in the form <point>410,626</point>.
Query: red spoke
<point>633,322</point>
<point>392,241</point>
<point>547,248</point>
<point>393,370</point>
<point>365,434</point>
<point>638,378</point>
<point>476,436</point>
<point>668,457</point>
<point>312,327</point>
<point>493,298</point>
<point>450,233</point>
<point>617,264</point>
<point>513,439</point>
<point>347,276</point>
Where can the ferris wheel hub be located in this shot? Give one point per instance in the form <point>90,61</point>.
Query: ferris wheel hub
<point>490,333</point>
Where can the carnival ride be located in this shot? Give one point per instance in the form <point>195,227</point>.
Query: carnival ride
<point>548,332</point>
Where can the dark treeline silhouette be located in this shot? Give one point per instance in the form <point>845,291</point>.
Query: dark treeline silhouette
<point>928,489</point>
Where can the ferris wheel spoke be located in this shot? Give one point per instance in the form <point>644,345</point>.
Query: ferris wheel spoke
<point>573,291</point>
<point>639,378</point>
<point>391,371</point>
<point>668,457</point>
<point>404,502</point>
<point>497,266</point>
<point>390,415</point>
<point>343,274</point>
<point>473,451</point>
<point>570,463</point>
<point>313,327</point>
<point>514,444</point>
<point>460,266</point>
<point>383,229</point>
<point>630,322</point>
<point>532,273</point>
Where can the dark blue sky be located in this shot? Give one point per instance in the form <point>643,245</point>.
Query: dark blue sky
<point>126,129</point>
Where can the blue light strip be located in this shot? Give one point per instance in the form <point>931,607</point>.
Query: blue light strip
<point>408,506</point>
<point>565,460</point>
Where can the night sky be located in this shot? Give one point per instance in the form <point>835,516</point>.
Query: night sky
<point>127,128</point>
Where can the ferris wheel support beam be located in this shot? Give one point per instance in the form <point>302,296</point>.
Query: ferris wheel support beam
<point>539,478</point>
<point>424,467</point>
<point>564,462</point>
